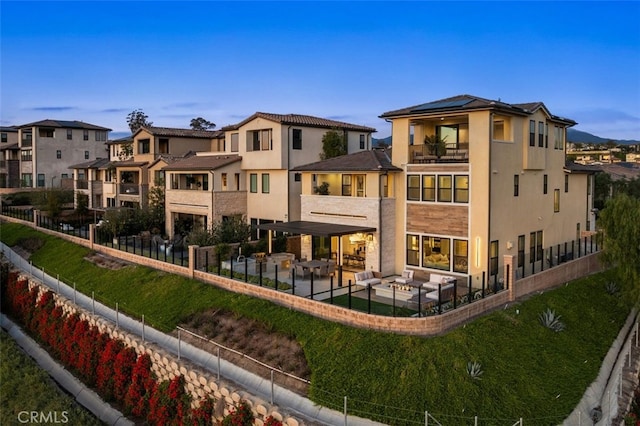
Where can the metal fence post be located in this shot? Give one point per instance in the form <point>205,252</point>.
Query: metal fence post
<point>345,411</point>
<point>178,344</point>
<point>276,276</point>
<point>349,293</point>
<point>218,359</point>
<point>143,327</point>
<point>93,303</point>
<point>74,293</point>
<point>272,386</point>
<point>117,323</point>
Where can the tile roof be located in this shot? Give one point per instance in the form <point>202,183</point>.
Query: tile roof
<point>202,162</point>
<point>302,120</point>
<point>8,129</point>
<point>93,164</point>
<point>469,102</point>
<point>63,124</point>
<point>573,167</point>
<point>9,147</point>
<point>183,133</point>
<point>120,140</point>
<point>364,161</point>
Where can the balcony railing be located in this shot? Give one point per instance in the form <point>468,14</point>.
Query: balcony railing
<point>82,184</point>
<point>129,189</point>
<point>452,154</point>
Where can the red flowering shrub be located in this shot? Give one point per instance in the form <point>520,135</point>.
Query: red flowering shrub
<point>122,371</point>
<point>104,374</point>
<point>142,386</point>
<point>239,416</point>
<point>169,404</point>
<point>203,414</point>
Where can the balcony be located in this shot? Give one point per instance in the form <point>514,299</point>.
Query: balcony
<point>421,154</point>
<point>129,189</point>
<point>82,184</point>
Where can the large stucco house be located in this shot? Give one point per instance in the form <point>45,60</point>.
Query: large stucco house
<point>498,185</point>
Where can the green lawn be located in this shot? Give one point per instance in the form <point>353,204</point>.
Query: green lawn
<point>25,388</point>
<point>528,371</point>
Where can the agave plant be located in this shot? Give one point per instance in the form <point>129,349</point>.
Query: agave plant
<point>551,320</point>
<point>611,287</point>
<point>474,370</point>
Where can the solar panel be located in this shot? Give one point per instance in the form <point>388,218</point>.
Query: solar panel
<point>442,104</point>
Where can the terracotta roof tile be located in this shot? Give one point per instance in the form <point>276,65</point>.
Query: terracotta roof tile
<point>363,161</point>
<point>302,120</point>
<point>202,162</point>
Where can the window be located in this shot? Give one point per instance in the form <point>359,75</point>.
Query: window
<point>297,177</point>
<point>40,180</point>
<point>27,138</point>
<point>532,133</point>
<point>413,187</point>
<point>236,181</point>
<point>444,188</point>
<point>259,140</point>
<point>26,155</point>
<point>566,183</point>
<point>144,146</point>
<point>58,154</point>
<point>516,185</point>
<point>556,200</point>
<point>69,134</point>
<point>428,187</point>
<point>265,183</point>
<point>545,184</point>
<point>436,253</point>
<point>235,142</point>
<point>558,143</point>
<point>111,202</point>
<point>540,134</point>
<point>224,181</point>
<point>546,135</point>
<point>65,176</point>
<point>346,185</point>
<point>362,145</point>
<point>589,183</point>
<point>539,245</point>
<point>384,186</point>
<point>26,180</point>
<point>163,145</point>
<point>493,258</point>
<point>461,189</point>
<point>413,250</point>
<point>253,182</point>
<point>449,134</point>
<point>460,256</point>
<point>360,185</point>
<point>3,137</point>
<point>46,133</point>
<point>297,139</point>
<point>85,135</point>
<point>101,136</point>
<point>86,155</point>
<point>498,130</point>
<point>520,251</point>
<point>532,247</point>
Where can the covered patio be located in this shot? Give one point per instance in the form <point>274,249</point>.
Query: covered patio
<point>346,244</point>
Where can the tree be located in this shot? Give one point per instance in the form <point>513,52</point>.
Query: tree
<point>136,119</point>
<point>333,145</point>
<point>620,220</point>
<point>202,124</point>
<point>233,229</point>
<point>156,205</point>
<point>436,145</point>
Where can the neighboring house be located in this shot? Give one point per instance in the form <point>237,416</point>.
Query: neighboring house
<point>9,158</point>
<point>499,187</point>
<point>203,189</point>
<point>45,150</point>
<point>354,190</point>
<point>270,146</point>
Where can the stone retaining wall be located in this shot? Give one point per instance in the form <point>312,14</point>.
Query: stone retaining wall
<point>166,366</point>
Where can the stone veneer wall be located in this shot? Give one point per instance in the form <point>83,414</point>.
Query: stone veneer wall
<point>165,366</point>
<point>425,326</point>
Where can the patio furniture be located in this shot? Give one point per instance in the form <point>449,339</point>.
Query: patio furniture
<point>435,279</point>
<point>368,278</point>
<point>322,271</point>
<point>302,271</point>
<point>406,277</point>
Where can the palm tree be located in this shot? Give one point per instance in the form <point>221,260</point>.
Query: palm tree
<point>436,145</point>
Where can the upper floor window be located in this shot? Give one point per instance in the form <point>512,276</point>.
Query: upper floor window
<point>259,140</point>
<point>26,138</point>
<point>559,138</point>
<point>545,184</point>
<point>546,135</point>
<point>516,185</point>
<point>58,154</point>
<point>444,188</point>
<point>253,182</point>
<point>346,185</point>
<point>85,135</point>
<point>461,189</point>
<point>362,142</point>
<point>144,146</point>
<point>428,187</point>
<point>566,183</point>
<point>265,183</point>
<point>163,145</point>
<point>69,134</point>
<point>556,200</point>
<point>540,134</point>
<point>235,142</point>
<point>224,181</point>
<point>297,177</point>
<point>449,134</point>
<point>46,133</point>
<point>101,136</point>
<point>3,137</point>
<point>297,139</point>
<point>40,183</point>
<point>86,155</point>
<point>532,132</point>
<point>26,155</point>
<point>413,187</point>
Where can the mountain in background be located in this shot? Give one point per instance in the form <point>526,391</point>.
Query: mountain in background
<point>573,135</point>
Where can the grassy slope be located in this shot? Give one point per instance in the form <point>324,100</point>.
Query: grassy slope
<point>25,387</point>
<point>529,371</point>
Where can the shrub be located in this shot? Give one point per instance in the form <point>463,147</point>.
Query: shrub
<point>239,416</point>
<point>474,370</point>
<point>551,320</point>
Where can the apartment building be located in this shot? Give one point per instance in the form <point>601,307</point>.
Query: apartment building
<point>498,186</point>
<point>45,150</point>
<point>9,157</point>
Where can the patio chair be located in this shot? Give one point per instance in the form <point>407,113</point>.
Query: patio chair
<point>302,272</point>
<point>331,268</point>
<point>323,271</point>
<point>406,277</point>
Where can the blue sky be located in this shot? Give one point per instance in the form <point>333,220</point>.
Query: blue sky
<point>350,61</point>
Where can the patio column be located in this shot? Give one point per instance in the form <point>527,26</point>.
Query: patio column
<point>508,259</point>
<point>270,242</point>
